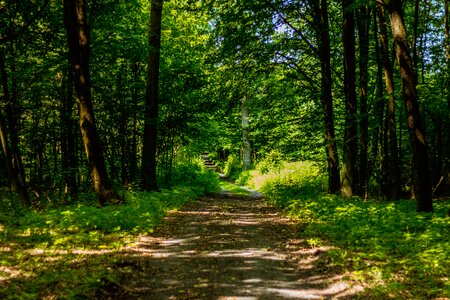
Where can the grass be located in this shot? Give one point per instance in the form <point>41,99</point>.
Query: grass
<point>394,251</point>
<point>233,188</point>
<point>68,252</point>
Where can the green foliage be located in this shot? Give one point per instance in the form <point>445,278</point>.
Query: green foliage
<point>233,188</point>
<point>290,180</point>
<point>232,166</point>
<point>65,252</point>
<point>377,242</point>
<point>272,161</point>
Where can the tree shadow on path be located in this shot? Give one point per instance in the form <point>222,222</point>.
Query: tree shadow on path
<point>225,247</point>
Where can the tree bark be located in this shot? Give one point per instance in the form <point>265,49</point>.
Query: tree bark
<point>246,148</point>
<point>391,157</point>
<point>6,152</point>
<point>446,167</point>
<point>69,160</point>
<point>377,145</point>
<point>350,134</point>
<point>326,98</point>
<point>79,51</point>
<point>149,178</point>
<point>133,150</point>
<point>363,32</point>
<point>421,176</point>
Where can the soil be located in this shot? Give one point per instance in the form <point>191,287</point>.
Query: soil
<point>225,246</point>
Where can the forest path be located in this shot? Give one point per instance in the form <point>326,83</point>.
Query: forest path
<point>226,246</point>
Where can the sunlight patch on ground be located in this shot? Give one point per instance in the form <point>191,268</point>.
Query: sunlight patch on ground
<point>295,294</point>
<point>38,252</point>
<point>236,298</point>
<point>261,253</point>
<point>7,273</point>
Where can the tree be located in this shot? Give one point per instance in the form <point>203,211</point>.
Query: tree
<point>421,176</point>
<point>322,31</point>
<point>350,135</point>
<point>391,164</point>
<point>12,153</point>
<point>363,33</point>
<point>149,180</point>
<point>446,168</point>
<point>246,147</point>
<point>79,51</point>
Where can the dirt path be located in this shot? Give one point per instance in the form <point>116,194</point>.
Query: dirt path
<point>226,247</point>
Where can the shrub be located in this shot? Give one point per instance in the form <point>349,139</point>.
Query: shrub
<point>293,180</point>
<point>232,167</point>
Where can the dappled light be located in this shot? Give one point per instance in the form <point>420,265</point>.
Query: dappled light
<point>224,246</point>
<point>203,149</point>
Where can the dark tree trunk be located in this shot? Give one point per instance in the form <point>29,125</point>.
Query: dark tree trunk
<point>363,32</point>
<point>377,155</point>
<point>326,96</point>
<point>133,150</point>
<point>69,160</point>
<point>446,167</point>
<point>149,178</point>
<point>391,157</point>
<point>6,152</point>
<point>79,48</point>
<point>351,127</point>
<point>18,172</point>
<point>421,176</point>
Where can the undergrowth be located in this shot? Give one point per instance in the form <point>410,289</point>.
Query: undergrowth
<point>386,246</point>
<point>67,252</point>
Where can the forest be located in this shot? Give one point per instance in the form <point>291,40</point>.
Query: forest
<point>338,112</point>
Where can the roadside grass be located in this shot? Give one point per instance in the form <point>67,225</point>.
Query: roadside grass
<point>389,248</point>
<point>68,252</point>
<point>233,188</point>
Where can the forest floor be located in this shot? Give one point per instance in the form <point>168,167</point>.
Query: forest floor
<point>226,246</point>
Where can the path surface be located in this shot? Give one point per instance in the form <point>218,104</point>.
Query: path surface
<point>226,247</point>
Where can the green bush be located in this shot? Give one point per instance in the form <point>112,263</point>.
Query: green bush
<point>273,161</point>
<point>294,180</point>
<point>233,166</point>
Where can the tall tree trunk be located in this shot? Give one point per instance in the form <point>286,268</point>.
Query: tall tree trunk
<point>18,172</point>
<point>326,97</point>
<point>363,32</point>
<point>446,167</point>
<point>7,152</point>
<point>133,150</point>
<point>149,178</point>
<point>421,176</point>
<point>79,51</point>
<point>69,160</point>
<point>393,188</point>
<point>351,127</point>
<point>377,145</point>
<point>246,148</point>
